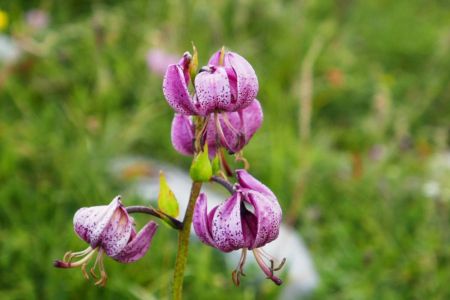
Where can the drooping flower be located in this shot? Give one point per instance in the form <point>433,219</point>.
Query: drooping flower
<point>231,130</point>
<point>248,220</point>
<point>228,83</point>
<point>108,229</point>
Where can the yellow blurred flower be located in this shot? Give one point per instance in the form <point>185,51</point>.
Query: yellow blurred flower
<point>3,19</point>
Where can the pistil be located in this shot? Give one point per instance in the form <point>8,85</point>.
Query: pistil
<point>268,271</point>
<point>66,262</point>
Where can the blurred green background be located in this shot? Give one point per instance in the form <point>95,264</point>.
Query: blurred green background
<point>355,139</point>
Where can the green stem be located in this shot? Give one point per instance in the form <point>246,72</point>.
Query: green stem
<point>183,242</point>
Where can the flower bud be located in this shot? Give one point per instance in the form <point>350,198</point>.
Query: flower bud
<point>201,169</point>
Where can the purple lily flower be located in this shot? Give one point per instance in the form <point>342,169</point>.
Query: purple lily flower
<point>108,229</point>
<point>228,84</point>
<point>231,130</point>
<point>248,220</point>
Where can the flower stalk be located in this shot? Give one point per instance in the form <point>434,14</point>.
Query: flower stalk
<point>183,242</point>
<point>171,221</point>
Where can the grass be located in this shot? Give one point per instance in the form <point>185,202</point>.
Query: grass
<point>380,81</point>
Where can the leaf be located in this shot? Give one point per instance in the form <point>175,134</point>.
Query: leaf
<point>167,202</point>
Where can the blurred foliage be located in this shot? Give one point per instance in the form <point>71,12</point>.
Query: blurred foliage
<point>81,95</point>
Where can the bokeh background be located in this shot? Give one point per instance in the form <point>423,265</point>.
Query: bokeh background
<point>355,139</point>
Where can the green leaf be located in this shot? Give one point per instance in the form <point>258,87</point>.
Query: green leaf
<point>167,202</point>
<point>201,169</point>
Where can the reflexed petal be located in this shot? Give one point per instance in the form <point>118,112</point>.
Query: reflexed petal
<point>214,60</point>
<point>233,86</point>
<point>247,82</point>
<point>252,117</point>
<point>202,220</point>
<point>117,234</point>
<point>249,227</point>
<point>184,64</point>
<point>90,222</point>
<point>176,92</point>
<point>227,225</point>
<point>247,181</point>
<point>246,122</point>
<point>139,245</point>
<point>268,214</point>
<point>212,91</point>
<point>183,134</point>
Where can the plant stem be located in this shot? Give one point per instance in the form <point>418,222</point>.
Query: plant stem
<point>174,223</point>
<point>228,186</point>
<point>183,242</point>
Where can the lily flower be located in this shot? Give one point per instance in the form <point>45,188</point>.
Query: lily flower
<point>232,130</point>
<point>248,220</point>
<point>108,229</point>
<point>228,83</point>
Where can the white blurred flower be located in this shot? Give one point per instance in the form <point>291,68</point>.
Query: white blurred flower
<point>431,189</point>
<point>9,50</point>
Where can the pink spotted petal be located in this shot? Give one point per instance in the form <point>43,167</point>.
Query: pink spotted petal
<point>247,82</point>
<point>227,229</point>
<point>251,119</point>
<point>212,91</point>
<point>118,232</point>
<point>182,134</point>
<point>214,60</point>
<point>247,181</point>
<point>184,64</point>
<point>202,220</point>
<point>176,92</point>
<point>268,215</point>
<point>137,246</point>
<point>90,222</point>
<point>249,227</point>
<point>244,125</point>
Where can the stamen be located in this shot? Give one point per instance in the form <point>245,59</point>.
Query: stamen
<point>103,276</point>
<point>65,264</point>
<point>83,270</point>
<point>236,275</point>
<point>240,136</point>
<point>280,266</point>
<point>69,255</point>
<point>265,254</point>
<point>242,261</point>
<point>272,260</point>
<point>99,257</point>
<point>228,123</point>
<point>219,131</point>
<point>201,135</point>
<point>240,157</point>
<point>268,271</point>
